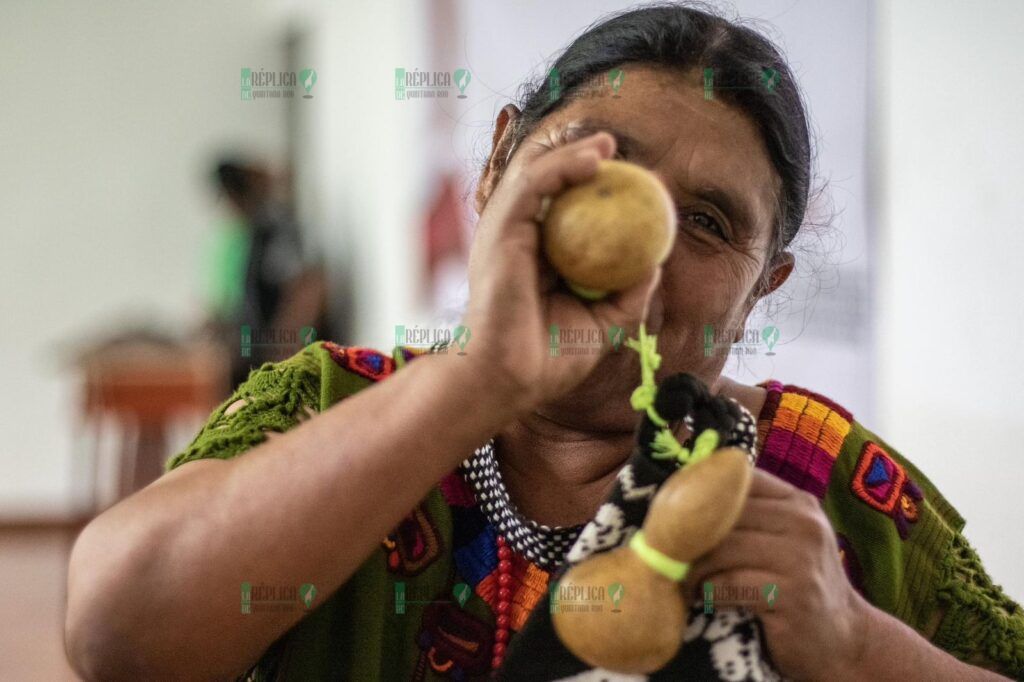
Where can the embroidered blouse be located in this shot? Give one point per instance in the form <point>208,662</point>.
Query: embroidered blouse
<point>423,606</point>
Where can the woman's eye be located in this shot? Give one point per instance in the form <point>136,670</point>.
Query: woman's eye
<point>706,222</point>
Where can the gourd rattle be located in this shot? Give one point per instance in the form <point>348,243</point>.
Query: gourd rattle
<point>693,510</point>
<point>607,234</point>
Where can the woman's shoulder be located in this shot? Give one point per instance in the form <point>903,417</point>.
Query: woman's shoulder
<point>278,395</point>
<point>819,446</point>
<point>893,526</point>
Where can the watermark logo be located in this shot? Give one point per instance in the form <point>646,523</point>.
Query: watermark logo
<point>308,79</point>
<point>770,334</point>
<point>739,340</point>
<point>461,591</point>
<point>583,340</point>
<point>462,78</point>
<point>615,78</point>
<point>416,84</point>
<point>616,335</point>
<point>279,339</point>
<point>596,85</point>
<point>437,339</point>
<point>462,336</point>
<point>616,591</point>
<point>578,598</point>
<point>276,598</point>
<point>769,80</point>
<point>554,85</point>
<point>739,595</point>
<point>263,84</point>
<point>771,593</point>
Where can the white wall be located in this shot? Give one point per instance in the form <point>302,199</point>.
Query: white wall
<point>110,112</point>
<point>950,328</point>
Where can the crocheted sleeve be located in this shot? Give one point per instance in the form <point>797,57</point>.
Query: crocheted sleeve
<point>979,623</point>
<point>278,395</point>
<point>902,546</point>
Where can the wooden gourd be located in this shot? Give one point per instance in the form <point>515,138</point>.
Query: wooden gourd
<point>609,233</point>
<point>695,508</point>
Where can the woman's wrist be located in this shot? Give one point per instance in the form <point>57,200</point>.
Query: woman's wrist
<point>884,648</point>
<point>473,390</point>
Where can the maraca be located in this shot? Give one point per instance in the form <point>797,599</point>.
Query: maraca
<point>607,234</point>
<point>694,509</point>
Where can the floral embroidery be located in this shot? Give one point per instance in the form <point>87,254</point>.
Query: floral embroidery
<point>365,362</point>
<point>883,484</point>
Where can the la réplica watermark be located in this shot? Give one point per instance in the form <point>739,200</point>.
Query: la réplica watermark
<point>261,598</point>
<point>461,593</point>
<point>580,598</point>
<point>435,339</point>
<point>426,84</point>
<point>263,84</point>
<point>739,595</point>
<point>740,340</point>
<point>584,340</point>
<point>275,338</point>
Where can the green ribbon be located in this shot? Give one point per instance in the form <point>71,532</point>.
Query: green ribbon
<point>662,563</point>
<point>665,444</point>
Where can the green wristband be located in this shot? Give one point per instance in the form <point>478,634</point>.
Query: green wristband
<point>662,563</point>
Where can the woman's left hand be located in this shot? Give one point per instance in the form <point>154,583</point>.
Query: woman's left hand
<point>816,624</point>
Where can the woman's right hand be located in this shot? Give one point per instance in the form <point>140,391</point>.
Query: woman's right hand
<point>514,294</point>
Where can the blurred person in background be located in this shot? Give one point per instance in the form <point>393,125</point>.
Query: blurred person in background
<point>359,472</point>
<point>258,277</point>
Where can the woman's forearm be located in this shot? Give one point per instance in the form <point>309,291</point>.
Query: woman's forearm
<point>159,574</point>
<point>892,650</point>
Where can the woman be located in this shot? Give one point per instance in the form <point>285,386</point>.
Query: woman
<point>297,478</point>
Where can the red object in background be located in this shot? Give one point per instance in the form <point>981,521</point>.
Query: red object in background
<point>444,228</point>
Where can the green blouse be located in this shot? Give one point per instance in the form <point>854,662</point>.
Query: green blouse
<point>900,541</point>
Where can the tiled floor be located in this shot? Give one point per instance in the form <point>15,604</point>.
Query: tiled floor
<point>33,568</point>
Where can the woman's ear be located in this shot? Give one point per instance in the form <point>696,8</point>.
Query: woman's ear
<point>501,144</point>
<point>781,269</point>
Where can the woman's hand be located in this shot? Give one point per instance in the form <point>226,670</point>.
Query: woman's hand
<point>817,625</point>
<point>514,295</point>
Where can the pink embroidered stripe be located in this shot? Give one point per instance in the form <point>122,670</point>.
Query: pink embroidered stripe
<point>801,434</point>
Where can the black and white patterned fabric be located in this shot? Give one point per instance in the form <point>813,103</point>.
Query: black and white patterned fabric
<point>545,546</point>
<point>726,645</point>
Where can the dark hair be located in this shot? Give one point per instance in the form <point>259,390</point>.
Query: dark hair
<point>685,37</point>
<point>233,177</point>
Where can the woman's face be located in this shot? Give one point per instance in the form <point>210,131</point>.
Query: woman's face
<point>714,163</point>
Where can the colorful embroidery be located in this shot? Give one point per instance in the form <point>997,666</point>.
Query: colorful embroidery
<point>802,433</point>
<point>476,559</point>
<point>883,484</point>
<point>528,584</point>
<point>410,353</point>
<point>413,545</point>
<point>365,362</point>
<point>453,642</point>
<point>456,491</point>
